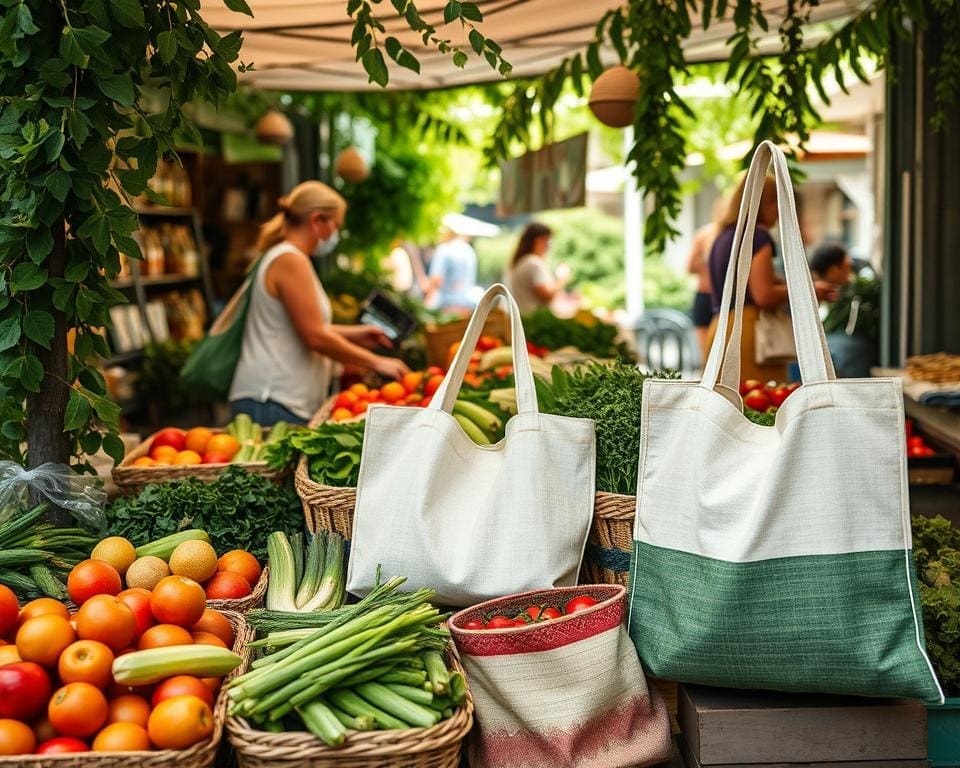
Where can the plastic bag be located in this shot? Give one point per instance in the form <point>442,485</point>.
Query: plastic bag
<point>82,495</point>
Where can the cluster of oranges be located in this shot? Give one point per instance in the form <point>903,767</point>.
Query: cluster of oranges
<point>415,389</point>
<point>200,445</point>
<point>57,691</point>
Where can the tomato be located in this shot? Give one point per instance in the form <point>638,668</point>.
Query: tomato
<point>178,600</point>
<point>163,454</point>
<point>916,442</point>
<point>122,737</point>
<point>500,622</point>
<point>9,610</point>
<point>197,438</point>
<point>242,562</point>
<point>425,402</point>
<point>215,623</point>
<point>908,426</point>
<point>374,396</point>
<point>432,384</point>
<point>164,635</point>
<point>579,604</point>
<point>180,722</point>
<point>435,370</point>
<point>346,400</point>
<point>412,381</point>
<point>128,708</point>
<point>86,661</point>
<point>919,451</point>
<point>43,639</point>
<point>359,389</point>
<point>778,395</point>
<point>226,585</point>
<point>750,384</point>
<point>92,577</point>
<point>215,457</point>
<point>137,600</point>
<point>24,690</point>
<point>550,613</point>
<point>43,606</point>
<point>175,438</point>
<point>474,624</point>
<point>486,343</point>
<point>181,685</point>
<point>78,709</point>
<point>16,738</point>
<point>757,399</point>
<point>213,683</point>
<point>62,745</point>
<point>108,619</point>
<point>393,392</point>
<point>341,414</point>
<point>534,611</point>
<point>205,638</point>
<point>360,408</point>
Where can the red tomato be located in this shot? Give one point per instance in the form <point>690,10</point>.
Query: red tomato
<point>907,424</point>
<point>500,622</point>
<point>425,402</point>
<point>916,442</point>
<point>92,577</point>
<point>749,385</point>
<point>794,386</point>
<point>757,399</point>
<point>62,745</point>
<point>181,685</point>
<point>486,343</point>
<point>24,690</point>
<point>549,613</point>
<point>435,370</point>
<point>346,400</point>
<point>138,601</point>
<point>432,383</point>
<point>412,381</point>
<point>474,624</point>
<point>215,457</point>
<point>175,438</point>
<point>579,604</point>
<point>778,395</point>
<point>9,610</point>
<point>927,451</point>
<point>534,611</point>
<point>360,407</point>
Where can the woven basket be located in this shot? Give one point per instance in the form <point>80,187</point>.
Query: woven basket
<point>610,543</point>
<point>436,747</point>
<point>440,337</point>
<point>131,480</point>
<point>243,604</point>
<point>200,755</point>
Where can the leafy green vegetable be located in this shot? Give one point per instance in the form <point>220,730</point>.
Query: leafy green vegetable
<point>235,510</point>
<point>545,329</point>
<point>936,550</point>
<point>610,395</point>
<point>332,450</point>
<point>763,418</point>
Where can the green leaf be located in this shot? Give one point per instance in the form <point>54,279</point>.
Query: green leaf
<point>13,430</point>
<point>460,59</point>
<point>240,6</point>
<point>83,345</point>
<point>451,11</point>
<point>119,88</point>
<point>91,38</point>
<point>476,41</point>
<point>84,304</point>
<point>359,30</point>
<point>491,58</point>
<point>393,47</point>
<point>25,21</point>
<point>129,13</point>
<point>71,50</point>
<point>27,277</point>
<point>114,448</point>
<point>58,183</point>
<point>408,61</point>
<point>38,326</point>
<point>79,126</point>
<point>39,244</point>
<point>9,333</point>
<point>471,12</point>
<point>108,411</point>
<point>353,6</point>
<point>594,67</point>
<point>90,442</point>
<point>31,376</point>
<point>77,413</point>
<point>167,46</point>
<point>376,67</point>
<point>128,246</point>
<point>63,296</point>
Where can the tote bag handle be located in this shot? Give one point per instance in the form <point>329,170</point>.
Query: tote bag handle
<point>812,353</point>
<point>446,395</point>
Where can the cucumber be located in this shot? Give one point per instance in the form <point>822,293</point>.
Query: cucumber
<point>49,584</point>
<point>164,547</point>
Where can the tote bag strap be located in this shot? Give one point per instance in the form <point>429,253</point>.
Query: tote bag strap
<point>446,394</point>
<point>812,353</point>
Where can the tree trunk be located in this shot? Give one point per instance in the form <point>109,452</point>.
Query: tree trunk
<point>46,440</point>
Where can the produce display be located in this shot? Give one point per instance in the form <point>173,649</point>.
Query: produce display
<point>188,553</point>
<point>306,577</point>
<point>234,510</point>
<point>532,614</point>
<point>762,401</point>
<point>917,447</point>
<point>35,557</point>
<point>127,670</point>
<point>374,665</point>
<point>240,442</point>
<point>332,451</point>
<point>586,333</point>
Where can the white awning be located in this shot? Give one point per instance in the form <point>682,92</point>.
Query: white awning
<point>305,44</point>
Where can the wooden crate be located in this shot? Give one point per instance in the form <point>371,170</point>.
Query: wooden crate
<point>726,728</point>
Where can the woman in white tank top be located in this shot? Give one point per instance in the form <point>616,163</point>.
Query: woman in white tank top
<point>290,343</point>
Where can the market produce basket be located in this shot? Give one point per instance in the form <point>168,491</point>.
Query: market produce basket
<point>201,755</point>
<point>243,604</point>
<point>440,337</point>
<point>325,507</point>
<point>610,542</point>
<point>436,747</point>
<point>131,480</point>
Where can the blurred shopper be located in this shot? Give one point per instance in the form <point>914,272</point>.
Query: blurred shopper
<point>290,343</point>
<point>453,275</point>
<point>528,276</point>
<point>698,264</point>
<point>764,288</point>
<point>832,264</point>
<point>405,269</point>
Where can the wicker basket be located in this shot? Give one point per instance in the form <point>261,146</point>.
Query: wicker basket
<point>440,337</point>
<point>436,747</point>
<point>131,480</point>
<point>200,755</point>
<point>610,543</point>
<point>243,604</point>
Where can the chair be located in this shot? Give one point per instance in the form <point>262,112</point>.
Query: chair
<point>664,339</point>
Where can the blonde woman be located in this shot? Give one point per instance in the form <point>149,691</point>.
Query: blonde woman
<point>290,343</point>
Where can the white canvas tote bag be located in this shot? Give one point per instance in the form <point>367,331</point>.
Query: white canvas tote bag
<point>473,522</point>
<point>777,557</point>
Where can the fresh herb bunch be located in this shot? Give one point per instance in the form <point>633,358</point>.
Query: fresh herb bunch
<point>936,550</point>
<point>545,329</point>
<point>332,451</point>
<point>763,418</point>
<point>610,395</point>
<point>235,510</point>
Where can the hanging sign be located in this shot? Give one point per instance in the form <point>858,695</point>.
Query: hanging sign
<point>552,177</point>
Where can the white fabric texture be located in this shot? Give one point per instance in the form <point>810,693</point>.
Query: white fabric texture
<point>529,271</point>
<point>473,522</point>
<point>274,362</point>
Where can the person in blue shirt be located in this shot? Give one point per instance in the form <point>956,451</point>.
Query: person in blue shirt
<point>453,276</point>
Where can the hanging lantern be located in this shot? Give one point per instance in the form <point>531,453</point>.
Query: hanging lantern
<point>274,128</point>
<point>351,166</point>
<point>613,95</point>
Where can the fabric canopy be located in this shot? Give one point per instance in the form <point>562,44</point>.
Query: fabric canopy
<point>304,45</point>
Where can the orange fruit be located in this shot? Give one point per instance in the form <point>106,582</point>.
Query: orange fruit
<point>178,600</point>
<point>346,400</point>
<point>180,722</point>
<point>163,453</point>
<point>197,439</point>
<point>360,408</point>
<point>43,639</point>
<point>432,384</point>
<point>86,661</point>
<point>92,577</point>
<point>226,585</point>
<point>77,709</point>
<point>342,414</point>
<point>163,636</point>
<point>212,457</point>
<point>215,623</point>
<point>359,389</point>
<point>187,457</point>
<point>206,638</point>
<point>128,708</point>
<point>393,392</point>
<point>242,562</point>
<point>16,738</point>
<point>182,685</point>
<point>224,444</point>
<point>9,655</point>
<point>9,610</point>
<point>143,461</point>
<point>412,381</point>
<point>107,619</point>
<point>43,606</point>
<point>122,737</point>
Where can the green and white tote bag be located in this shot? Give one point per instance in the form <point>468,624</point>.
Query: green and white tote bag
<point>777,557</point>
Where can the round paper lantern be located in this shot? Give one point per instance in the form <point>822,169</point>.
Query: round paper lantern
<point>274,128</point>
<point>613,96</point>
<point>351,166</point>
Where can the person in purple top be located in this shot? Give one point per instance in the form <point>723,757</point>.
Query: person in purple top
<point>765,290</point>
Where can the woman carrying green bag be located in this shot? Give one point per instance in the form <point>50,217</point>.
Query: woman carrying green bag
<point>272,349</point>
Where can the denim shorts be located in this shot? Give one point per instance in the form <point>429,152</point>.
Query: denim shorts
<point>266,414</point>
